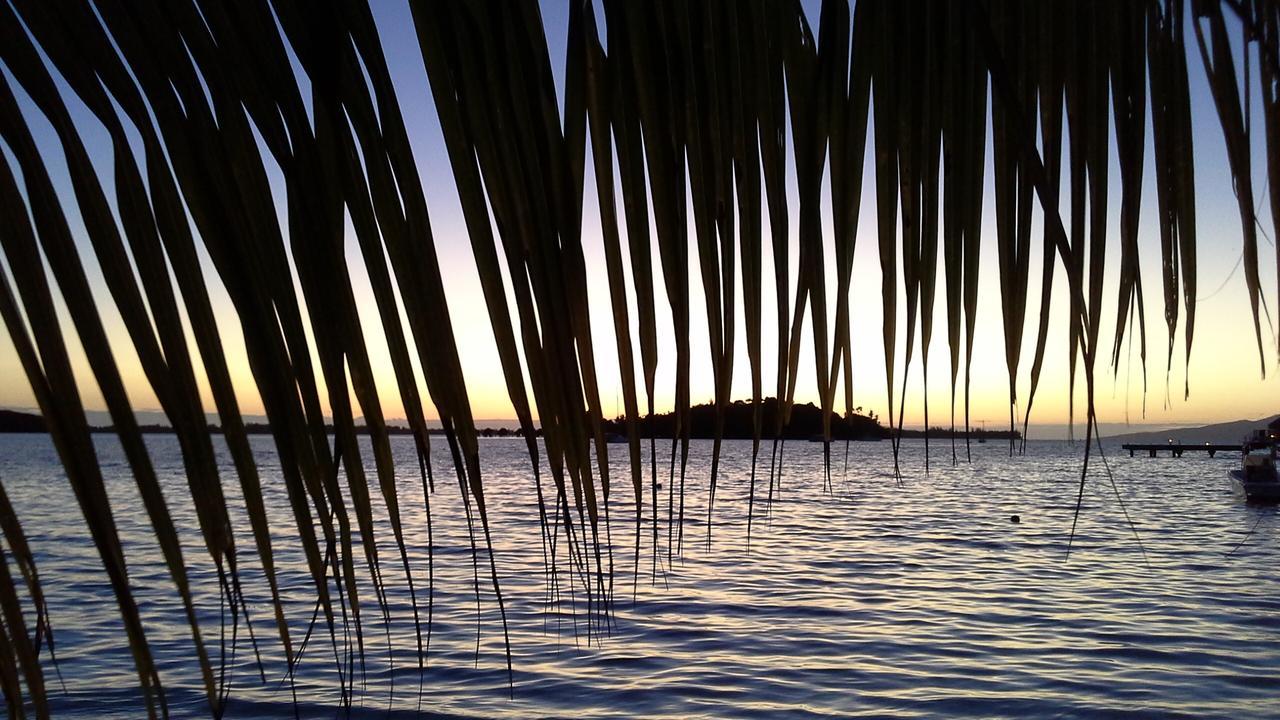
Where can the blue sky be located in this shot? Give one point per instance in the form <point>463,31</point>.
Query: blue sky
<point>1225,380</point>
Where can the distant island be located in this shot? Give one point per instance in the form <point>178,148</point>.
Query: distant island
<point>806,424</point>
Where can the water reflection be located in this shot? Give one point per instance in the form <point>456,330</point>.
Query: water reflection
<point>919,599</point>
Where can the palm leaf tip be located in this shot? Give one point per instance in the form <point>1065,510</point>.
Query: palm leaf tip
<point>699,115</point>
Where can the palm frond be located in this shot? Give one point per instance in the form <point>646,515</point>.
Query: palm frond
<point>259,165</point>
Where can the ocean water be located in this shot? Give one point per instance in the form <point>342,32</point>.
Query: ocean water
<point>879,598</point>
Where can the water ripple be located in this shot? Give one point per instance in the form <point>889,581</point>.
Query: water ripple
<point>874,599</point>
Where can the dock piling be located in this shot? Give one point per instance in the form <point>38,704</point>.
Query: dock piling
<point>1176,450</point>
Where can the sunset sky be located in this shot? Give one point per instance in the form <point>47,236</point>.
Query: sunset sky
<point>1225,375</point>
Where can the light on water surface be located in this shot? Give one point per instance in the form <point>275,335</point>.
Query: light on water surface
<point>913,599</point>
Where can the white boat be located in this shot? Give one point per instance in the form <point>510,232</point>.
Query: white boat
<point>1257,479</point>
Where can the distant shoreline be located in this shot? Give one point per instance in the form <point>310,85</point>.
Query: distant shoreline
<point>806,424</point>
<point>20,423</point>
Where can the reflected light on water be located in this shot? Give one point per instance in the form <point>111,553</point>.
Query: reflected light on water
<point>919,599</point>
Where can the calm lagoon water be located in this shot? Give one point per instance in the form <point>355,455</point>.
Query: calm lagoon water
<point>877,598</point>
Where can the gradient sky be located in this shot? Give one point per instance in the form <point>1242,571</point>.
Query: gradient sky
<point>1225,377</point>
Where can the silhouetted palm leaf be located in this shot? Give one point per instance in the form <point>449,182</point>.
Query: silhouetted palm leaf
<point>693,100</point>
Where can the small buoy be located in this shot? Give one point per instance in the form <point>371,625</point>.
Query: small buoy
<point>1015,519</point>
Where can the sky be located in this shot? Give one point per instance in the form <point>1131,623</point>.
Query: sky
<point>1225,376</point>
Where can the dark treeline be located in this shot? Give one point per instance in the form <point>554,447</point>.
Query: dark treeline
<point>806,422</point>
<point>19,422</point>
<point>946,432</point>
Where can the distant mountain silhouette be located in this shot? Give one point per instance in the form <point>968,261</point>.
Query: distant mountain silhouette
<point>1226,432</point>
<point>20,422</point>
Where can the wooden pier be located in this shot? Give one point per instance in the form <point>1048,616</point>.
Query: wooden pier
<point>1177,449</point>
